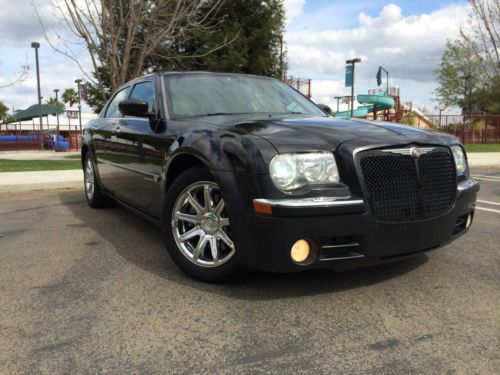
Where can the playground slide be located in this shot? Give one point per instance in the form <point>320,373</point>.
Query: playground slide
<point>382,102</point>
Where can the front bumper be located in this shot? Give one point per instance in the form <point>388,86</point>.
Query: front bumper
<point>345,233</point>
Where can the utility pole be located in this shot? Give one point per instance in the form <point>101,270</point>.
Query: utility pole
<point>467,106</point>
<point>57,106</point>
<point>78,83</point>
<point>36,45</point>
<point>281,58</point>
<point>353,64</point>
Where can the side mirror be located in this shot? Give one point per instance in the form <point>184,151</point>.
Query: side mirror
<point>325,109</point>
<point>134,107</point>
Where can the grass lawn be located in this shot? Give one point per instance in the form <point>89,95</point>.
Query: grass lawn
<point>483,148</point>
<point>7,165</point>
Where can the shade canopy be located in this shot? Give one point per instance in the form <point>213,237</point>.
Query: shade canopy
<point>33,112</point>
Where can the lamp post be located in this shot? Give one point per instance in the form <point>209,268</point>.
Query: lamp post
<point>36,45</point>
<point>440,115</point>
<point>353,63</point>
<point>466,78</point>
<point>338,101</point>
<point>56,91</point>
<point>78,84</point>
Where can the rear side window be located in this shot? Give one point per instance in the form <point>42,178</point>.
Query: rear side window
<point>113,111</point>
<point>145,91</point>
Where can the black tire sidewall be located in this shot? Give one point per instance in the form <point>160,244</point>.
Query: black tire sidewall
<point>99,199</point>
<point>225,272</point>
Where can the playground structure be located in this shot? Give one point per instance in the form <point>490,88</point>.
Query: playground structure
<point>379,105</point>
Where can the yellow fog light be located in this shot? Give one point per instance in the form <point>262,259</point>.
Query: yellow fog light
<point>469,221</point>
<point>300,251</point>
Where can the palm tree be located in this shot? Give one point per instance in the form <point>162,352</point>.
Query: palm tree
<point>70,96</point>
<point>52,102</point>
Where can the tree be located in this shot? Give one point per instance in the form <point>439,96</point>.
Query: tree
<point>70,97</point>
<point>22,76</point>
<point>255,28</point>
<point>121,36</point>
<point>3,111</point>
<point>485,38</point>
<point>458,75</point>
<point>56,104</point>
<point>244,36</point>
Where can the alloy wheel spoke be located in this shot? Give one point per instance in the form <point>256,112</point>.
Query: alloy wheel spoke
<point>224,222</point>
<point>207,197</point>
<point>194,219</point>
<point>190,234</point>
<point>215,250</point>
<point>199,247</point>
<point>224,237</point>
<point>194,203</point>
<point>219,208</point>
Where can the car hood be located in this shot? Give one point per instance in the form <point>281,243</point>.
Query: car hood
<point>325,133</point>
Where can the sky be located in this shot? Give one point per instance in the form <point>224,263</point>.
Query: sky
<point>405,37</point>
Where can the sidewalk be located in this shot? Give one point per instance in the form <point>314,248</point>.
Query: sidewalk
<point>36,155</point>
<point>484,159</point>
<point>44,180</point>
<point>70,179</point>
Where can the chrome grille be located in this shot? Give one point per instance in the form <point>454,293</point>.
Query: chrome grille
<point>401,187</point>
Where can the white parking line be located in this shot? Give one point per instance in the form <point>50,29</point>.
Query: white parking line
<point>488,209</point>
<point>483,175</point>
<point>488,202</point>
<point>485,179</point>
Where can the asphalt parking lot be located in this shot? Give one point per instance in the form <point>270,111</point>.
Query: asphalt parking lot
<point>85,291</point>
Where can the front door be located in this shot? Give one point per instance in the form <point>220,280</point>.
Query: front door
<point>139,155</point>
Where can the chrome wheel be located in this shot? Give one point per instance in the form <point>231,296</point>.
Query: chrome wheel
<point>89,179</point>
<point>201,227</point>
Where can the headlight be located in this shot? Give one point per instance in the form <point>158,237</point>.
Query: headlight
<point>293,171</point>
<point>460,159</point>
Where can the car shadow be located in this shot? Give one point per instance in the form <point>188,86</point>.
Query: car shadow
<point>140,242</point>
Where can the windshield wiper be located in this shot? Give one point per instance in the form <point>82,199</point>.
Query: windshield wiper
<point>226,113</point>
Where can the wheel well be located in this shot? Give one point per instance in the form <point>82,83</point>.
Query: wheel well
<point>84,151</point>
<point>179,165</point>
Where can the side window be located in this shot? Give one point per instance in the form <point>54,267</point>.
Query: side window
<point>113,111</point>
<point>145,91</point>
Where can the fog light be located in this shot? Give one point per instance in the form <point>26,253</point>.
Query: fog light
<point>300,251</point>
<point>469,221</point>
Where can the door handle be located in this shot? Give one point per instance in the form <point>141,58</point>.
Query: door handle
<point>116,130</point>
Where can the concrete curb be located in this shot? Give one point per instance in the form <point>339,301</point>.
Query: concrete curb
<point>43,180</point>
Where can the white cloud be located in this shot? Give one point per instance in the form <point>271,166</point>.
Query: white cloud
<point>294,8</point>
<point>410,47</point>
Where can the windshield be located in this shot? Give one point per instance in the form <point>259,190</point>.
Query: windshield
<point>219,94</point>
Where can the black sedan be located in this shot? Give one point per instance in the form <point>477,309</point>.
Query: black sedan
<point>243,171</point>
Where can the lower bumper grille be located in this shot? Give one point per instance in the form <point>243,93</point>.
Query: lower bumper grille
<point>401,187</point>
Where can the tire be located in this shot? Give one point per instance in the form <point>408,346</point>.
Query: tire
<point>93,192</point>
<point>191,231</point>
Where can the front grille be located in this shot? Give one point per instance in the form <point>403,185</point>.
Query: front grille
<point>401,187</point>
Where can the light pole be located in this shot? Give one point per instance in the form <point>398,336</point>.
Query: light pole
<point>353,63</point>
<point>57,106</point>
<point>78,83</point>
<point>36,45</point>
<point>338,101</point>
<point>440,115</point>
